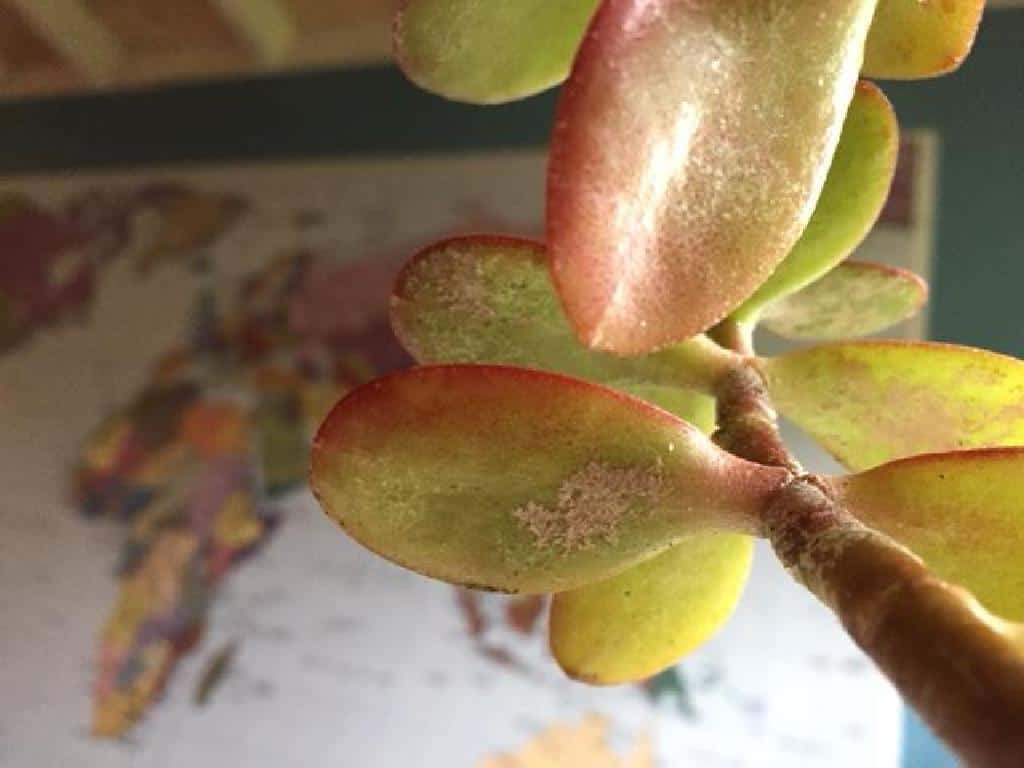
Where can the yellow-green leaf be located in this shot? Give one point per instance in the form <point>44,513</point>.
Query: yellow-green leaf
<point>856,298</point>
<point>635,624</point>
<point>962,513</point>
<point>912,39</point>
<point>489,51</point>
<point>690,406</point>
<point>691,142</point>
<point>519,480</point>
<point>489,299</point>
<point>854,193</point>
<point>869,402</point>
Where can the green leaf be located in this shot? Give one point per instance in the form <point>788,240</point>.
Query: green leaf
<point>856,298</point>
<point>962,513</point>
<point>912,39</point>
<point>638,623</point>
<point>869,402</point>
<point>522,481</point>
<point>489,299</point>
<point>680,174</point>
<point>635,624</point>
<point>485,51</point>
<point>692,407</point>
<point>854,193</point>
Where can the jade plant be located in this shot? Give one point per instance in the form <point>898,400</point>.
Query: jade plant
<point>591,420</point>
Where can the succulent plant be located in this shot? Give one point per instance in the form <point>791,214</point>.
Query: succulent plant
<point>590,418</point>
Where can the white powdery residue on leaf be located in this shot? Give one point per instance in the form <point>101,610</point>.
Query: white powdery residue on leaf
<point>592,504</point>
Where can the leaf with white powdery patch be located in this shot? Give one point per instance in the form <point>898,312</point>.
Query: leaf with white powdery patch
<point>489,299</point>
<point>522,481</point>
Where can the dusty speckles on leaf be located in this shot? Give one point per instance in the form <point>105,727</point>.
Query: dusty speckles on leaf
<point>457,279</point>
<point>592,503</point>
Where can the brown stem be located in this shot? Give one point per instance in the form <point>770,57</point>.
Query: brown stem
<point>961,669</point>
<point>747,425</point>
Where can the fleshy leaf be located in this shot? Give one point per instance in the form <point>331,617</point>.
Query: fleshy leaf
<point>522,481</point>
<point>869,402</point>
<point>690,406</point>
<point>912,39</point>
<point>635,624</point>
<point>680,175</point>
<point>962,513</point>
<point>489,299</point>
<point>854,193</point>
<point>487,52</point>
<point>856,298</point>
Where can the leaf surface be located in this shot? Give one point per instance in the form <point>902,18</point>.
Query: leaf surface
<point>856,189</point>
<point>489,299</point>
<point>856,298</point>
<point>518,480</point>
<point>913,39</point>
<point>962,513</point>
<point>680,175</point>
<point>636,624</point>
<point>869,402</point>
<point>487,52</point>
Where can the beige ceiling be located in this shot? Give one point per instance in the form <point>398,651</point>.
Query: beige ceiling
<point>61,45</point>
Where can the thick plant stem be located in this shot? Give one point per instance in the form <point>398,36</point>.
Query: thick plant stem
<point>961,668</point>
<point>747,425</point>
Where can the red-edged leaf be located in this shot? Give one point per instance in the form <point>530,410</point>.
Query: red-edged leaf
<point>869,402</point>
<point>912,39</point>
<point>856,298</point>
<point>691,143</point>
<point>962,513</point>
<point>518,480</point>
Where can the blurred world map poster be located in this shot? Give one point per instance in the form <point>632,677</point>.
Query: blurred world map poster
<point>168,342</point>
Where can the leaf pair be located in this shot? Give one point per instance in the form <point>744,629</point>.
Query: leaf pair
<point>486,52</point>
<point>527,481</point>
<point>489,300</point>
<point>680,178</point>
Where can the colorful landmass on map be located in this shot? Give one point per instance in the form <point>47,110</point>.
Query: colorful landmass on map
<point>223,426</point>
